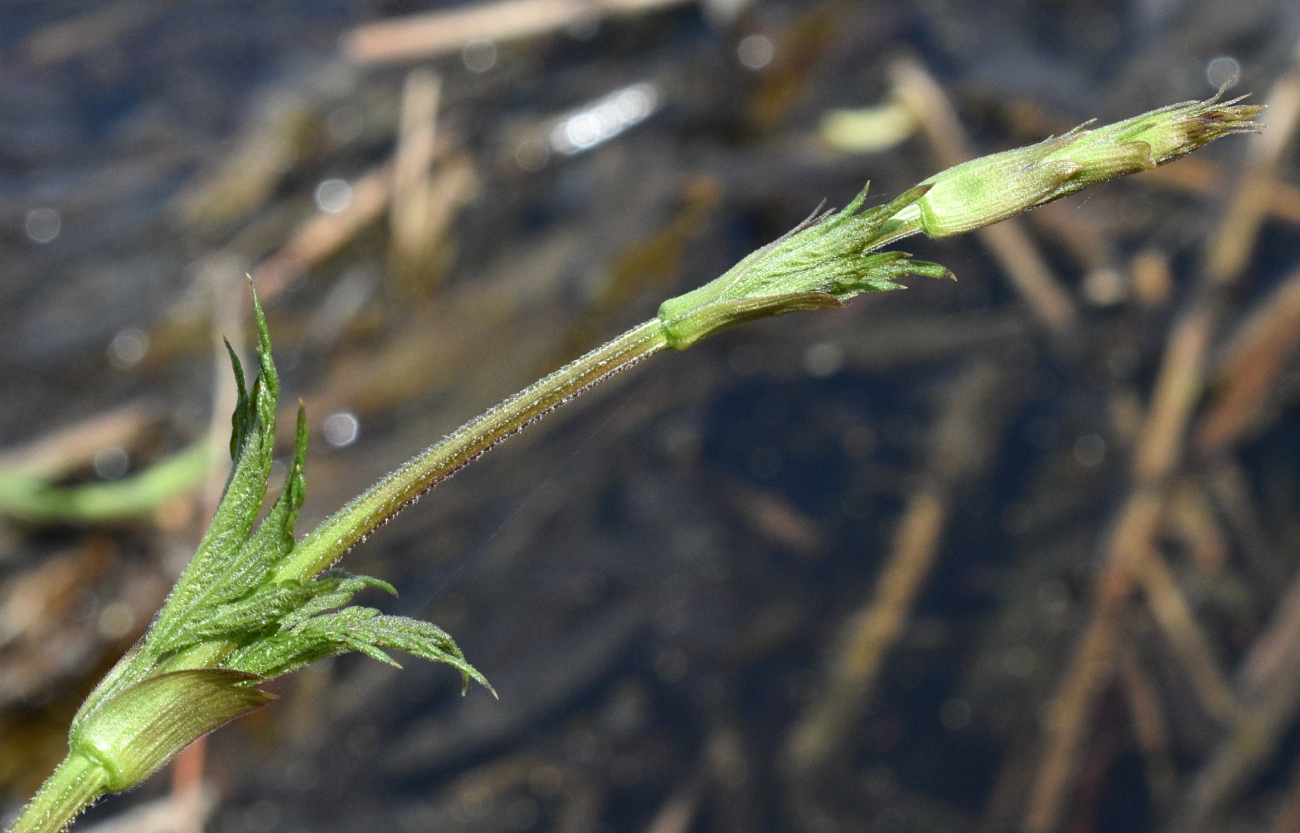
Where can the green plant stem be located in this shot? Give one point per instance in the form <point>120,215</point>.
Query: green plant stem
<point>169,691</point>
<point>348,526</point>
<point>73,787</point>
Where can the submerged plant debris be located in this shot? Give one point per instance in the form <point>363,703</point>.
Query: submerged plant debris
<point>1016,552</point>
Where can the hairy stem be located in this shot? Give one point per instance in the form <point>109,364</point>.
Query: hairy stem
<point>73,787</point>
<point>341,531</point>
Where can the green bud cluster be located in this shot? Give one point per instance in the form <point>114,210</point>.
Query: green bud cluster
<point>829,257</point>
<point>992,188</point>
<point>821,263</point>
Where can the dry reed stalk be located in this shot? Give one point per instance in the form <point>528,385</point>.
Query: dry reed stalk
<point>1230,490</point>
<point>157,816</point>
<point>1237,233</point>
<point>1152,279</point>
<point>1268,684</point>
<point>409,209</point>
<point>1257,353</point>
<point>1150,727</point>
<point>63,449</point>
<point>85,33</point>
<point>677,814</point>
<point>1092,667</point>
<point>1205,178</point>
<point>870,633</point>
<point>451,187</point>
<point>423,36</point>
<point>325,234</point>
<point>35,599</point>
<point>1191,521</point>
<point>1173,615</point>
<point>1253,739</point>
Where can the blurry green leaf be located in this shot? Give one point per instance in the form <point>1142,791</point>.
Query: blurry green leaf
<point>33,499</point>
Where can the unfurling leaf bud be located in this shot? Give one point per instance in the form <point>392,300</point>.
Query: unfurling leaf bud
<point>985,190</point>
<point>820,263</point>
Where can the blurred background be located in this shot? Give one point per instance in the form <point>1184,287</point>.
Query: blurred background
<point>1013,553</point>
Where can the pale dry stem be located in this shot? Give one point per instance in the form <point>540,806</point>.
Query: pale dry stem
<point>1174,617</point>
<point>1151,728</point>
<point>325,234</point>
<point>1258,352</point>
<point>423,36</point>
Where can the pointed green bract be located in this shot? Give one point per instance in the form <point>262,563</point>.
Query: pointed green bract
<point>351,629</point>
<point>334,588</point>
<point>242,417</point>
<point>273,540</point>
<point>219,553</point>
<point>227,625</point>
<point>821,263</point>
